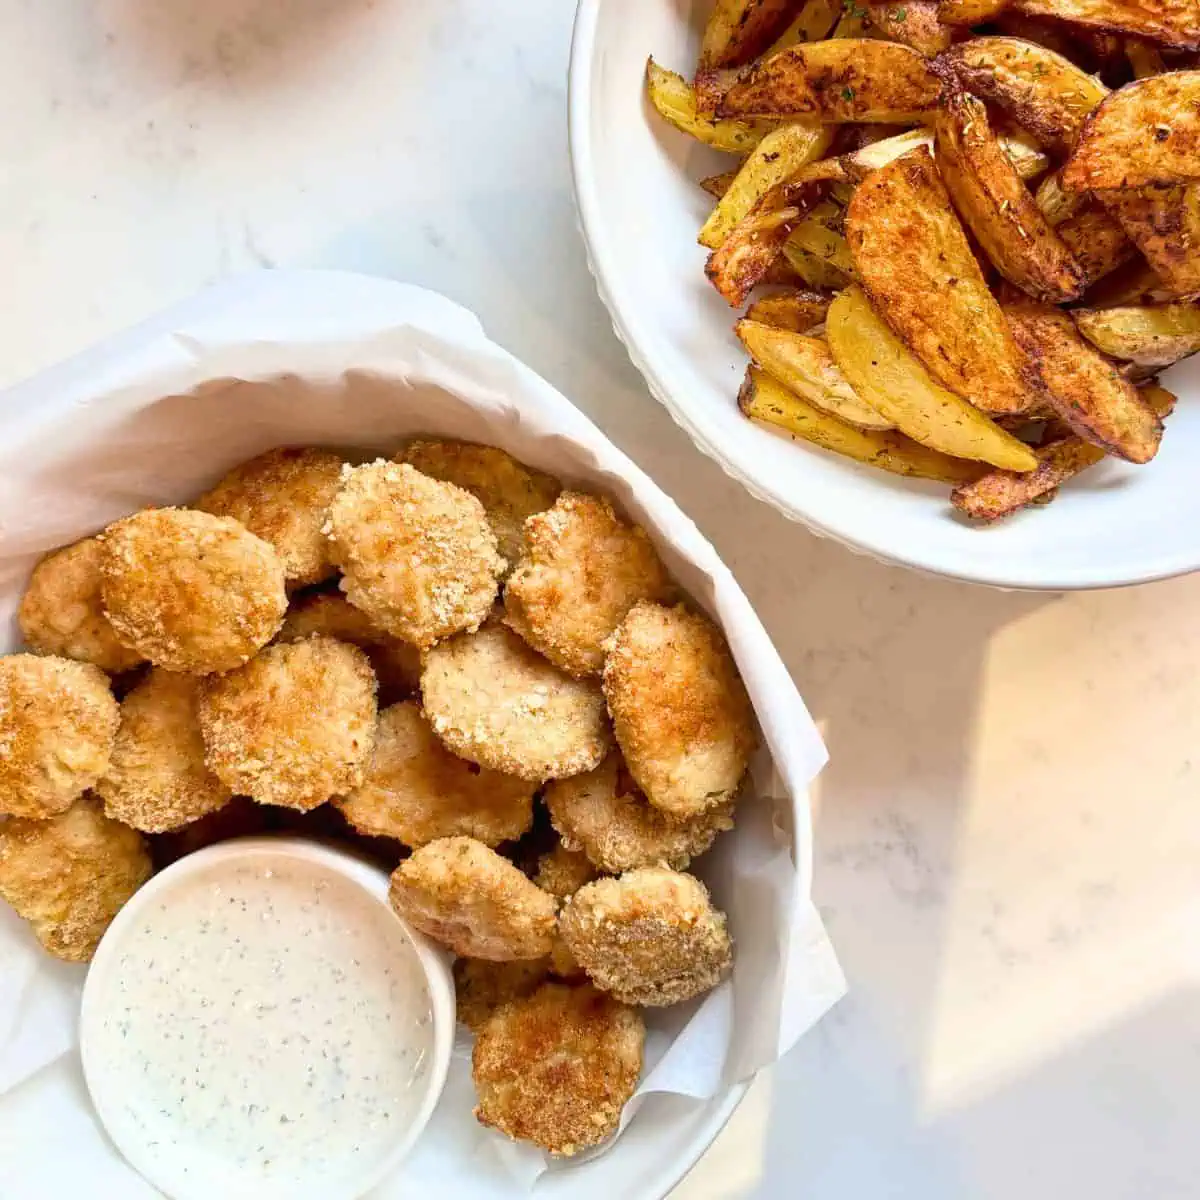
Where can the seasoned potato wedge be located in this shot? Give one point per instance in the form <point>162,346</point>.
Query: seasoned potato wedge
<point>764,399</point>
<point>813,22</point>
<point>718,185</point>
<point>996,205</point>
<point>1097,241</point>
<point>773,161</point>
<point>1056,204</point>
<point>1147,132</point>
<point>1136,282</point>
<point>675,100</point>
<point>813,271</point>
<point>818,238</point>
<point>891,380</point>
<point>1042,91</point>
<point>914,22</point>
<point>805,366</point>
<point>1152,335</point>
<point>739,30</point>
<point>1164,224</point>
<point>913,259</point>
<point>849,79</point>
<point>1086,390</point>
<point>970,12</point>
<point>1172,22</point>
<point>796,309</point>
<point>1002,493</point>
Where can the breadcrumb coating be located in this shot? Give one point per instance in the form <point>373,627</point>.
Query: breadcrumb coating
<point>467,897</point>
<point>58,719</point>
<point>481,987</point>
<point>62,613</point>
<point>651,937</point>
<point>417,555</point>
<point>70,875</point>
<point>604,815</point>
<point>158,780</point>
<point>415,790</point>
<point>680,710</point>
<point>557,1067</point>
<point>295,726</point>
<point>582,571</point>
<point>189,591</point>
<point>283,497</point>
<point>562,872</point>
<point>508,490</point>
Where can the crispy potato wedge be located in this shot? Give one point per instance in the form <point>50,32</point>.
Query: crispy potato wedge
<point>839,80</point>
<point>765,399</point>
<point>1171,22</point>
<point>812,23</point>
<point>797,309</point>
<point>1151,335</point>
<point>813,271</point>
<point>1086,390</point>
<point>916,23</point>
<point>805,366</point>
<point>1042,91</point>
<point>773,161</point>
<point>815,235</point>
<point>1136,282</point>
<point>1001,493</point>
<point>740,30</point>
<point>675,100</point>
<point>970,12</point>
<point>754,244</point>
<point>915,263</point>
<point>881,369</point>
<point>1164,224</point>
<point>1147,132</point>
<point>1056,204</point>
<point>996,205</point>
<point>1097,241</point>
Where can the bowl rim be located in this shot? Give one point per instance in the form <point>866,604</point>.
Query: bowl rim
<point>588,204</point>
<point>356,869</point>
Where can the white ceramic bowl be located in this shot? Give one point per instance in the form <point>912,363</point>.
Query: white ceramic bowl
<point>182,1172</point>
<point>640,209</point>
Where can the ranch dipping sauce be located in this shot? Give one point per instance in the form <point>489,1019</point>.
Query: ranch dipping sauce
<point>263,1027</point>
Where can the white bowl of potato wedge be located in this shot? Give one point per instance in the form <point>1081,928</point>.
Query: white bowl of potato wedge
<point>925,277</point>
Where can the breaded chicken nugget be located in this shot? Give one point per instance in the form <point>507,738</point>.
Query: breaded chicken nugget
<point>58,719</point>
<point>417,555</point>
<point>480,987</point>
<point>294,726</point>
<point>562,872</point>
<point>508,490</point>
<point>582,571</point>
<point>189,591</point>
<point>557,1067</point>
<point>397,664</point>
<point>283,497</point>
<point>467,897</point>
<point>492,700</point>
<point>604,815</point>
<point>61,612</point>
<point>416,790</point>
<point>651,937</point>
<point>680,710</point>
<point>69,876</point>
<point>157,780</point>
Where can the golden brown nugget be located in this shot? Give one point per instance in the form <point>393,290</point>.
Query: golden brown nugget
<point>651,937</point>
<point>417,555</point>
<point>189,591</point>
<point>582,571</point>
<point>69,876</point>
<point>414,789</point>
<point>58,719</point>
<point>604,815</point>
<point>495,702</point>
<point>158,780</point>
<point>562,872</point>
<point>294,726</point>
<point>397,664</point>
<point>470,899</point>
<point>481,987</point>
<point>283,497</point>
<point>508,490</point>
<point>61,612</point>
<point>557,1067</point>
<point>681,713</point>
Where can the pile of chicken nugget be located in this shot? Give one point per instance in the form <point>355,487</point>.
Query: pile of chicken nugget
<point>482,676</point>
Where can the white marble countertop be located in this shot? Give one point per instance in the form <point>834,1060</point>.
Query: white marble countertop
<point>1009,834</point>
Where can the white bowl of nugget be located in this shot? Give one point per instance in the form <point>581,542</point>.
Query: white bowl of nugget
<point>467,671</point>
